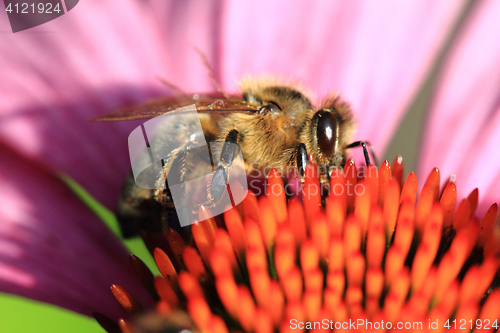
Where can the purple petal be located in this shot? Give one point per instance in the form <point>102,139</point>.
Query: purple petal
<point>375,53</point>
<point>97,57</point>
<point>52,248</point>
<point>463,127</point>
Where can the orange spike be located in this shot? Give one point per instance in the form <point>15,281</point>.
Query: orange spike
<point>251,207</point>
<point>312,304</point>
<point>430,283</point>
<point>487,224</point>
<point>421,265</point>
<point>293,310</point>
<point>219,263</point>
<point>355,268</point>
<point>246,308</point>
<point>313,279</point>
<point>466,312</point>
<point>256,260</point>
<point>163,308</point>
<point>362,204</point>
<point>338,187</point>
<point>404,236</point>
<point>473,199</point>
<point>331,298</point>
<point>374,283</point>
<point>276,302</point>
<point>193,262</point>
<point>253,236</point>
<point>176,243</point>
<point>372,181</point>
<point>375,242</point>
<point>297,220</point>
<point>276,193</point>
<point>237,192</point>
<point>335,281</point>
<point>350,176</point>
<point>487,272</point>
<point>394,262</point>
<point>125,325</point>
<point>261,284</point>
<point>336,254</point>
<point>353,296</point>
<point>492,245</point>
<point>166,291</point>
<point>424,204</point>
<point>207,222</point>
<point>472,231</point>
<point>228,293</point>
<point>203,242</point>
<point>284,260</point>
<point>409,191</point>
<point>452,263</point>
<point>398,170</point>
<point>236,232</point>
<point>401,284</point>
<point>433,228</point>
<point>267,221</point>
<point>126,300</point>
<point>407,211</point>
<point>218,325</point>
<point>448,304</point>
<point>223,243</point>
<point>490,311</point>
<point>352,236</point>
<point>336,213</point>
<point>433,181</point>
<point>468,288</point>
<point>190,286</point>
<point>164,264</point>
<point>199,311</point>
<point>384,176</point>
<point>263,322</point>
<point>311,192</point>
<point>309,256</point>
<point>462,216</point>
<point>292,285</point>
<point>391,206</point>
<point>320,233</point>
<point>448,202</point>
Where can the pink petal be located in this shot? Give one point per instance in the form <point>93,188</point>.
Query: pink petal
<point>52,248</point>
<point>98,56</point>
<point>463,127</point>
<point>375,53</point>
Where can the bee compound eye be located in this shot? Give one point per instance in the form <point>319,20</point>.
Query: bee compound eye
<point>327,131</point>
<point>269,108</point>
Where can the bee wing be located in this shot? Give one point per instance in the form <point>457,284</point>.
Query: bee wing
<point>209,103</point>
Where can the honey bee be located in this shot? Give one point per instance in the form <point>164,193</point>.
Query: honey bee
<point>272,123</point>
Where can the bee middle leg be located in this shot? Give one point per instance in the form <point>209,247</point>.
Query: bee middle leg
<point>220,178</point>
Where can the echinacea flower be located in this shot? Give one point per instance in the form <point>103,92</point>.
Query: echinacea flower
<point>380,258</point>
<point>106,54</point>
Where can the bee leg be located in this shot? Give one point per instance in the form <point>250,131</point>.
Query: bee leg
<point>366,145</point>
<point>302,159</point>
<point>220,178</point>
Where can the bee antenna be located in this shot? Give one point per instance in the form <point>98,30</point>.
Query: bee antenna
<point>210,72</point>
<point>172,87</point>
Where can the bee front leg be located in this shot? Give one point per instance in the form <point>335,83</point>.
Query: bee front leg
<point>366,146</point>
<point>302,159</point>
<point>220,178</point>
